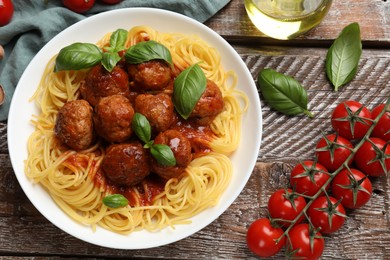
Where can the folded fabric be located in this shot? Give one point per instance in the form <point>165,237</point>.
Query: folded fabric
<point>35,22</point>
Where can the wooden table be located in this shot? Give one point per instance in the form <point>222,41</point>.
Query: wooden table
<point>25,233</point>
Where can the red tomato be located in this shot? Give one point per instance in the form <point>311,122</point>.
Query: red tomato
<point>349,120</point>
<point>284,204</point>
<point>79,6</point>
<point>300,237</point>
<point>382,128</point>
<point>111,2</point>
<point>6,11</point>
<point>261,238</point>
<point>347,183</point>
<point>327,213</point>
<point>308,177</point>
<point>332,151</point>
<point>373,157</point>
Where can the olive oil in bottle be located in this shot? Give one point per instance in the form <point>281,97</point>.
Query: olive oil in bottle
<point>286,19</point>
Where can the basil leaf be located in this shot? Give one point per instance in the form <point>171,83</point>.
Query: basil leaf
<point>141,127</point>
<point>283,93</point>
<point>163,154</point>
<point>188,88</point>
<point>118,40</point>
<point>115,201</point>
<point>110,60</point>
<point>78,56</point>
<point>146,51</point>
<point>343,56</point>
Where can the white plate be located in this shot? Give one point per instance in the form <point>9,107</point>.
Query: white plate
<point>91,30</point>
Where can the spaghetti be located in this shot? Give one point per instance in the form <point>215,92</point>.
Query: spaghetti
<point>73,178</point>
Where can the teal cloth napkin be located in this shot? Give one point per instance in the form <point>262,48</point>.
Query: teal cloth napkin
<point>35,22</point>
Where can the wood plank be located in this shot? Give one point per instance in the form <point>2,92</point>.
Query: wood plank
<point>233,23</point>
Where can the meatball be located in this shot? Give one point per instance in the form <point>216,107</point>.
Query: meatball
<point>181,148</point>
<point>158,109</point>
<point>101,83</point>
<point>154,75</point>
<point>112,118</point>
<point>126,164</point>
<point>209,105</point>
<point>74,124</point>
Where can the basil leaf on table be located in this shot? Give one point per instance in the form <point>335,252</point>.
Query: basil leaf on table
<point>78,56</point>
<point>117,40</point>
<point>115,201</point>
<point>163,154</point>
<point>141,127</point>
<point>283,93</point>
<point>147,51</point>
<point>188,88</point>
<point>343,56</point>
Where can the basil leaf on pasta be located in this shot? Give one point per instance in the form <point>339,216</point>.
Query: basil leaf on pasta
<point>78,56</point>
<point>141,127</point>
<point>188,88</point>
<point>110,60</point>
<point>147,51</point>
<point>163,154</point>
<point>115,201</point>
<point>118,40</point>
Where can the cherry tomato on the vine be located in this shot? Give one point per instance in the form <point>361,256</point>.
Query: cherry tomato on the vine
<point>333,150</point>
<point>353,188</point>
<point>262,238</point>
<point>6,11</point>
<point>79,6</point>
<point>287,205</point>
<point>382,128</point>
<point>373,157</point>
<point>308,243</point>
<point>327,213</point>
<point>308,177</point>
<point>351,119</point>
<point>111,2</point>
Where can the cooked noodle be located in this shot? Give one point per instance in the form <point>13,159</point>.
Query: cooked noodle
<point>69,176</point>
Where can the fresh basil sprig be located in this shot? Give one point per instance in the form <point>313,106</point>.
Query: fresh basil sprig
<point>79,55</point>
<point>115,201</point>
<point>147,51</point>
<point>188,88</point>
<point>283,93</point>
<point>343,56</point>
<point>161,152</point>
<point>164,154</point>
<point>117,43</point>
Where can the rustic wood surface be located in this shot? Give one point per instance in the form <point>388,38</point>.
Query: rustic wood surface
<point>26,234</point>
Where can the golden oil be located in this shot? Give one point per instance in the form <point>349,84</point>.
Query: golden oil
<point>286,19</point>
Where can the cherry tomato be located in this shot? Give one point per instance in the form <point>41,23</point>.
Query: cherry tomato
<point>79,6</point>
<point>111,2</point>
<point>350,182</point>
<point>373,157</point>
<point>308,177</point>
<point>382,128</point>
<point>327,213</point>
<point>332,151</point>
<point>287,205</point>
<point>6,11</point>
<point>300,239</point>
<point>351,120</point>
<point>262,238</point>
